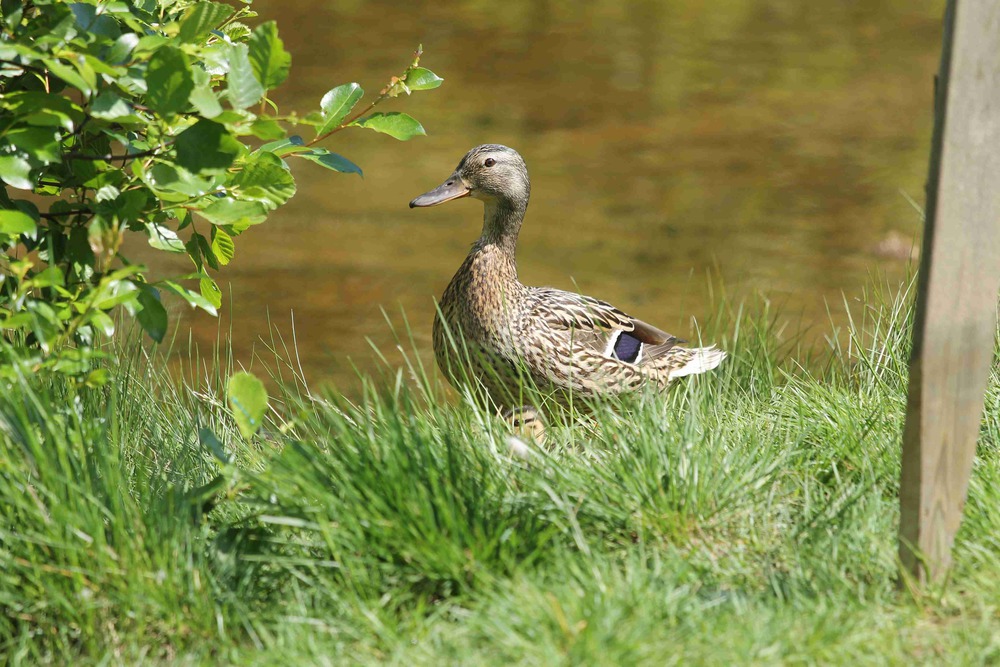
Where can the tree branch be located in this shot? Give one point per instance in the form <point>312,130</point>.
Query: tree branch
<point>55,216</point>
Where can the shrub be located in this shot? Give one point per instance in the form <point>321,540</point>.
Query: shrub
<point>151,116</point>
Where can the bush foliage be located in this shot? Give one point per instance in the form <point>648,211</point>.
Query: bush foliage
<point>149,116</point>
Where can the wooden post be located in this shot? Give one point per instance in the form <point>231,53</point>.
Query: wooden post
<point>958,283</point>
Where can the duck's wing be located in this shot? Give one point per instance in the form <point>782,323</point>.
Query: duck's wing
<point>597,327</point>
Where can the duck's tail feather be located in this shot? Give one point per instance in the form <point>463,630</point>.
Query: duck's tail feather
<point>702,359</point>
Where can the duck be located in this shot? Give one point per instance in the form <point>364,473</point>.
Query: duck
<point>498,336</point>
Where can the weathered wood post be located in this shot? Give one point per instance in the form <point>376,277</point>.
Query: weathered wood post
<point>958,284</point>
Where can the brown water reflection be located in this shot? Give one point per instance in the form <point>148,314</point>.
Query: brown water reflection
<point>769,140</point>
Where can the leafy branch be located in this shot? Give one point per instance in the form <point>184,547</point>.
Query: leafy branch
<point>339,102</point>
<point>146,117</point>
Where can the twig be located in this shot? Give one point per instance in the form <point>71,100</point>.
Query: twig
<point>30,68</point>
<point>79,128</point>
<point>383,94</point>
<point>55,216</point>
<point>109,156</point>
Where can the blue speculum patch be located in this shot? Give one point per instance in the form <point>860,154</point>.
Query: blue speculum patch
<point>627,347</point>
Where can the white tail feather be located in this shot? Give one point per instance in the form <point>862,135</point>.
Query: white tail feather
<point>703,359</point>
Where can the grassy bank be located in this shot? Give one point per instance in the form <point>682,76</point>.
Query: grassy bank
<point>750,516</point>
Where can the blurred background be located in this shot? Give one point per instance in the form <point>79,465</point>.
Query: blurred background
<point>766,146</point>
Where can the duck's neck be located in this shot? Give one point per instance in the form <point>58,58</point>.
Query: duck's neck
<point>501,224</point>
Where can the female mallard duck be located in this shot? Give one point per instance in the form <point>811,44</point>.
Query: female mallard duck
<point>493,330</point>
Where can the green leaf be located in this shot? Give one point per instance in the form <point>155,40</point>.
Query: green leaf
<point>41,144</point>
<point>202,250</point>
<point>100,67</point>
<point>174,183</point>
<point>37,108</point>
<point>88,20</point>
<point>213,444</point>
<point>44,323</point>
<point>210,290</point>
<point>12,11</point>
<point>131,204</point>
<point>248,401</point>
<point>222,246</point>
<point>15,171</point>
<point>421,78</point>
<point>397,125</point>
<point>50,277</point>
<point>206,146</point>
<point>204,100</point>
<point>69,75</point>
<point>122,47</point>
<point>234,117</point>
<point>204,97</point>
<point>102,321</point>
<point>97,377</point>
<point>268,57</point>
<point>168,80</point>
<point>267,129</point>
<point>102,239</point>
<point>336,104</point>
<point>164,238</point>
<point>244,88</point>
<point>264,179</point>
<point>314,118</point>
<point>332,161</point>
<point>236,31</point>
<point>153,316</point>
<point>229,211</point>
<point>111,107</point>
<point>202,19</point>
<point>115,292</point>
<point>289,145</point>
<point>15,222</point>
<point>107,193</point>
<point>194,299</point>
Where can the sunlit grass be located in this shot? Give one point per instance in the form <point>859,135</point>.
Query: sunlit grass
<point>749,516</point>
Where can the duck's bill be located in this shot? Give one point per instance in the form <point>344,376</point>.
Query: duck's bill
<point>453,188</point>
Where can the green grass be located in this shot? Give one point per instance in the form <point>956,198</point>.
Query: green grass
<point>748,517</point>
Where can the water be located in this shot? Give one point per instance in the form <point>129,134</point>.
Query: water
<point>767,143</point>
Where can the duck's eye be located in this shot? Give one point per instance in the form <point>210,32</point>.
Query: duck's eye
<point>490,162</point>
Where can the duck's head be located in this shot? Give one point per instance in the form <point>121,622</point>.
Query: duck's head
<point>491,172</point>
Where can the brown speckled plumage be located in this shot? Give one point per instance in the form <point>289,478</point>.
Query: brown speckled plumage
<point>495,330</point>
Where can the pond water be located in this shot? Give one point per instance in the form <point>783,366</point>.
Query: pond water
<point>765,144</point>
